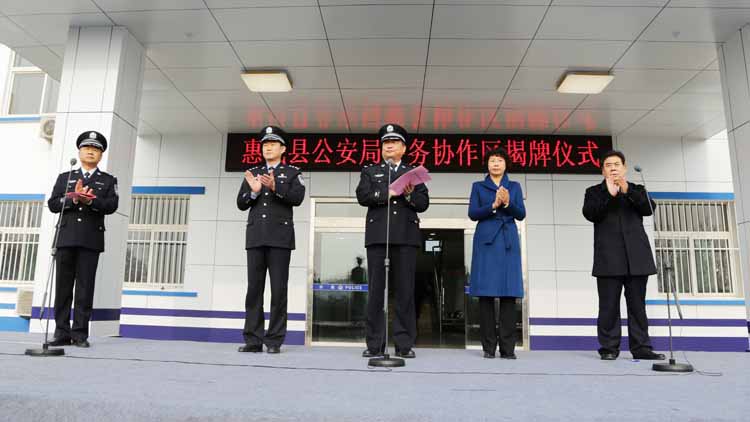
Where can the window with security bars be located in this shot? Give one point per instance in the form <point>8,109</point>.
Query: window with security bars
<point>20,223</point>
<point>696,245</point>
<point>157,240</point>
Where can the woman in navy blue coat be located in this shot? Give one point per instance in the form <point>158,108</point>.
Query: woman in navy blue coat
<point>496,202</point>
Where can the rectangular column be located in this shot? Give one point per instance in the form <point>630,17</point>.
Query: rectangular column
<point>734,64</point>
<point>100,90</point>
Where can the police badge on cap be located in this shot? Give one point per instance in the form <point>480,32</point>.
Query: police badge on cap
<point>393,132</point>
<point>92,138</point>
<point>272,134</point>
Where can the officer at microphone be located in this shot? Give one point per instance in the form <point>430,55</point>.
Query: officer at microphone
<point>405,238</point>
<point>269,193</point>
<point>622,257</point>
<point>81,237</point>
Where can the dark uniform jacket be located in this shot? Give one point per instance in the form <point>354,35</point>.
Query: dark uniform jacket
<point>83,225</point>
<point>621,247</point>
<point>372,192</point>
<point>270,220</point>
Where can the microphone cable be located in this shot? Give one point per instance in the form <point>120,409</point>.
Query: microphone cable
<point>385,370</point>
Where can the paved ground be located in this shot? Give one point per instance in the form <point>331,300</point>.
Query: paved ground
<point>138,380</point>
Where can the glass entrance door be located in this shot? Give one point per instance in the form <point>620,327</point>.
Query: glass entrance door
<point>439,289</point>
<point>339,286</point>
<point>337,275</point>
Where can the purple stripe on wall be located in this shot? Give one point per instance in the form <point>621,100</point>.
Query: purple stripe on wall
<point>651,322</point>
<point>218,335</point>
<point>704,344</point>
<point>114,314</point>
<point>195,313</point>
<point>96,314</point>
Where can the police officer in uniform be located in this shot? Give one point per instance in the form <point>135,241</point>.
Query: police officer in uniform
<point>405,238</point>
<point>81,237</point>
<point>269,192</point>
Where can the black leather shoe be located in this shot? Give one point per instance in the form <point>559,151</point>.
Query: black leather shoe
<point>608,356</point>
<point>81,343</point>
<point>60,342</point>
<point>648,355</point>
<point>488,355</point>
<point>406,354</point>
<point>273,349</point>
<point>371,354</point>
<point>250,348</point>
<point>509,356</point>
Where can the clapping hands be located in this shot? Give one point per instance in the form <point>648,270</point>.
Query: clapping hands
<point>82,194</point>
<point>257,182</point>
<point>502,198</point>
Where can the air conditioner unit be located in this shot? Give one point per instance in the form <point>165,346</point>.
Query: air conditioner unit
<point>24,301</point>
<point>47,127</point>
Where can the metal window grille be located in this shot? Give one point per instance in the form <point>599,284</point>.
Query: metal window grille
<point>698,240</point>
<point>20,223</point>
<point>157,240</point>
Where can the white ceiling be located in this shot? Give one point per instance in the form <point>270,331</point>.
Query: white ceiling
<point>472,66</point>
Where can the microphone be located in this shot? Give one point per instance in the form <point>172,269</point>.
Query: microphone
<point>390,164</point>
<point>638,169</point>
<point>73,162</point>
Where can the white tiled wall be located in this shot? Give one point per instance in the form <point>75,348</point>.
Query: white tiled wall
<point>662,159</point>
<point>540,247</point>
<point>229,287</point>
<point>543,294</point>
<point>576,294</point>
<point>567,201</point>
<point>539,202</point>
<point>574,249</point>
<point>230,243</point>
<point>202,242</point>
<point>190,156</point>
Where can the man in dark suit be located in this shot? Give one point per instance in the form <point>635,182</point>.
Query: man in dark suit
<point>405,238</point>
<point>80,237</point>
<point>269,192</point>
<point>622,257</point>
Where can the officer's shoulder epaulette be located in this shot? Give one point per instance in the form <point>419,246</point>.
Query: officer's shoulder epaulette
<point>294,167</point>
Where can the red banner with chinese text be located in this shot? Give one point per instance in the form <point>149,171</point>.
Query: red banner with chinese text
<point>439,153</point>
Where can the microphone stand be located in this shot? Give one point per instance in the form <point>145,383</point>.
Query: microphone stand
<point>672,365</point>
<point>386,360</point>
<point>47,298</point>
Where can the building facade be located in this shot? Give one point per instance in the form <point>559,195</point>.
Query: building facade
<point>184,274</point>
